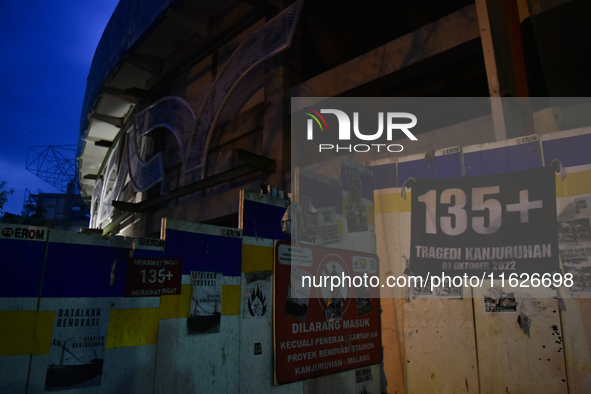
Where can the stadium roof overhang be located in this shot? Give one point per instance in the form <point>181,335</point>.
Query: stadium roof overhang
<point>140,53</point>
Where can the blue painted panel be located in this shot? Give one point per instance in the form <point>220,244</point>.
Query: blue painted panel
<point>384,176</point>
<point>446,166</point>
<point>367,186</point>
<point>149,254</point>
<point>263,220</point>
<point>84,271</point>
<point>21,265</point>
<point>507,159</point>
<point>203,252</point>
<point>571,151</point>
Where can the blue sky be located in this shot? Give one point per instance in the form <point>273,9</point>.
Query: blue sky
<point>47,49</point>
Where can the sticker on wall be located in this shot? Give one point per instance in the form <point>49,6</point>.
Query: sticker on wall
<point>256,297</point>
<point>206,303</point>
<point>356,218</point>
<point>363,381</point>
<point>574,237</point>
<point>501,302</point>
<point>428,290</point>
<point>364,265</point>
<point>452,292</point>
<point>308,221</point>
<point>449,292</point>
<point>352,182</point>
<point>151,277</point>
<point>353,188</point>
<point>77,346</point>
<point>328,228</point>
<point>297,298</point>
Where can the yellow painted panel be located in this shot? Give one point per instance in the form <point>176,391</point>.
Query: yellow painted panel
<point>176,306</point>
<point>25,332</point>
<point>44,331</point>
<point>575,184</point>
<point>231,298</point>
<point>257,258</point>
<point>136,327</point>
<point>391,202</point>
<point>132,327</point>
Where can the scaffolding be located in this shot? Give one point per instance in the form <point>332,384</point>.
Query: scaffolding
<point>55,164</point>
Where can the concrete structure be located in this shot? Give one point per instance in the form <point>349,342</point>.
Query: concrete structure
<point>176,61</point>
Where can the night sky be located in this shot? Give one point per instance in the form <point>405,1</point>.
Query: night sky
<point>47,49</point>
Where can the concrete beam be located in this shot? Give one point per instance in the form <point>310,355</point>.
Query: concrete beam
<point>112,120</point>
<point>432,39</point>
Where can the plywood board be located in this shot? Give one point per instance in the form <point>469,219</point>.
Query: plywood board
<point>514,360</point>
